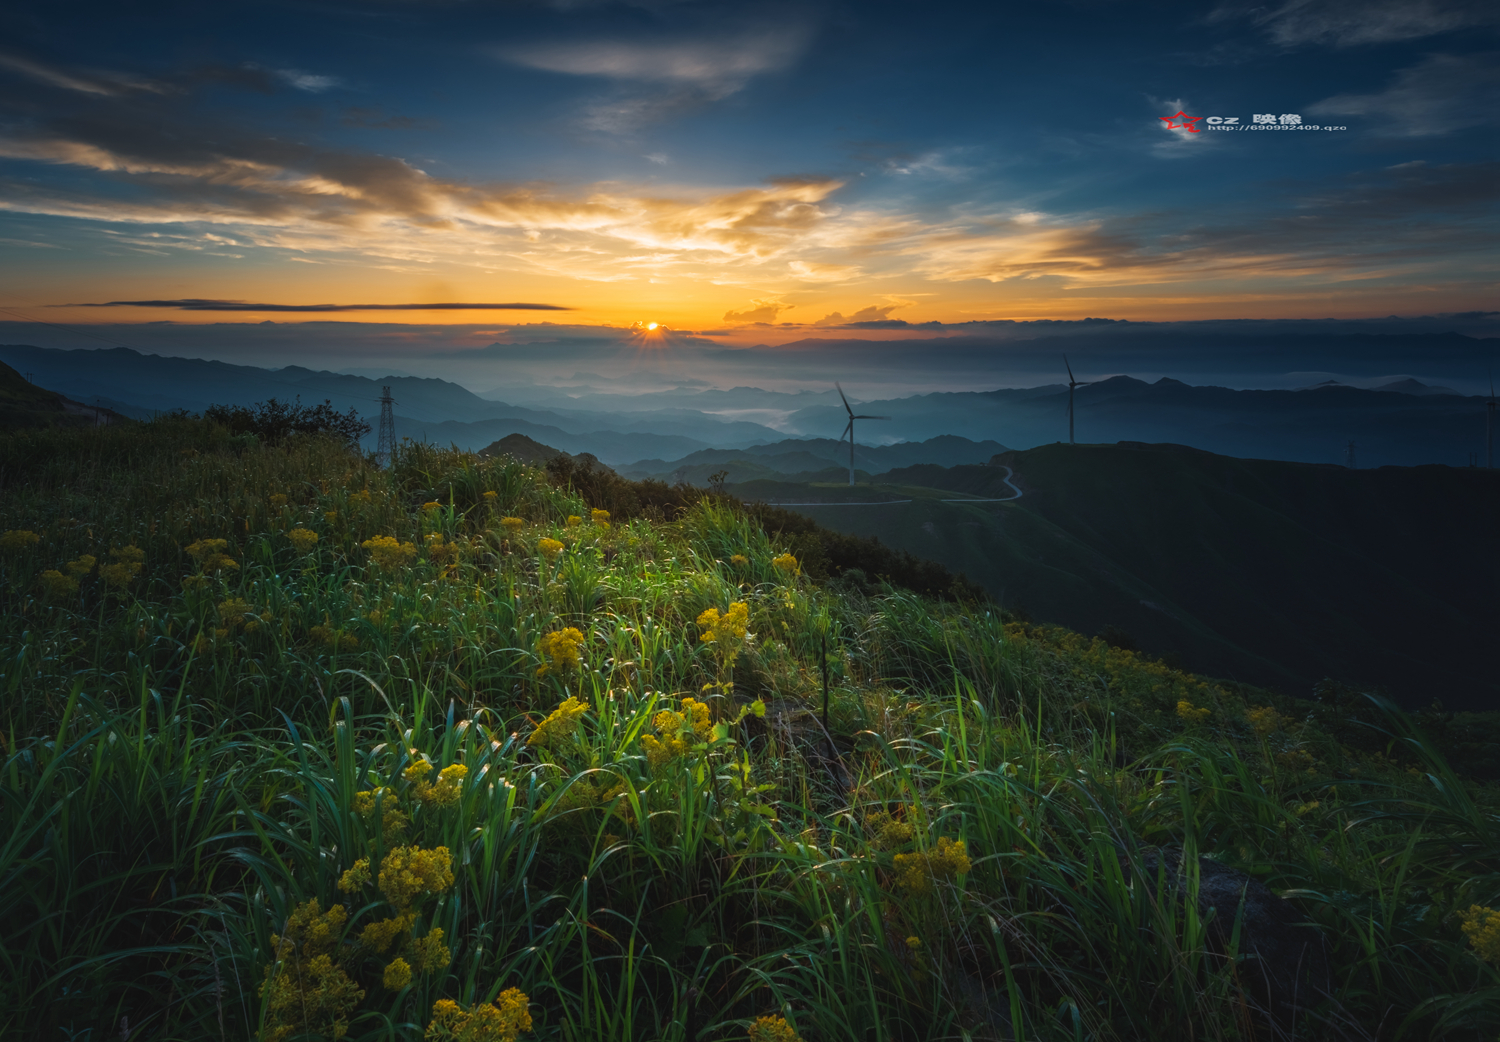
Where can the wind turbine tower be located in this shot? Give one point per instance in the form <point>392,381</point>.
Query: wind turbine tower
<point>1072,383</point>
<point>387,439</point>
<point>1489,428</point>
<point>849,430</point>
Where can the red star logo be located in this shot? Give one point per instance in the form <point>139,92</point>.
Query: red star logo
<point>1186,124</point>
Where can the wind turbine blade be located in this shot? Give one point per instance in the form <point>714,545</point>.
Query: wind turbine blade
<point>848,431</point>
<point>1070,369</point>
<point>846,400</point>
<point>872,417</point>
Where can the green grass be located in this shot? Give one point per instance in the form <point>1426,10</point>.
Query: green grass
<point>194,755</point>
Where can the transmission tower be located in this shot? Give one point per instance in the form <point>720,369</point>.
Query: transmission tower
<point>1349,455</point>
<point>387,440</point>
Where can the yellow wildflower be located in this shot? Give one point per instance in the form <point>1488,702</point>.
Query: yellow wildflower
<point>445,792</point>
<point>560,723</point>
<point>887,831</point>
<point>574,521</point>
<point>56,585</point>
<point>389,553</point>
<point>505,1020</point>
<point>410,872</point>
<point>512,524</point>
<point>360,498</point>
<point>278,500</point>
<point>773,1029</point>
<point>127,565</point>
<point>727,630</point>
<point>430,952</point>
<point>1481,926</point>
<point>18,539</point>
<point>560,648</point>
<point>315,997</point>
<point>233,612</point>
<point>378,936</point>
<point>210,555</point>
<point>1265,720</point>
<point>739,560</point>
<point>788,564</point>
<point>334,638</point>
<point>431,505</point>
<point>549,548</point>
<point>916,872</point>
<point>356,876</point>
<point>490,497</point>
<point>397,974</point>
<point>304,539</point>
<point>1192,715</point>
<point>331,516</point>
<point>81,567</point>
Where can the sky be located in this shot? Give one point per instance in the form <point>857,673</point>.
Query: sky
<point>173,177</point>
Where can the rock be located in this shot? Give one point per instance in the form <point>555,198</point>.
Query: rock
<point>1283,958</point>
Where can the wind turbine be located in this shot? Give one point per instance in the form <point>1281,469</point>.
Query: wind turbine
<point>1072,383</point>
<point>1489,427</point>
<point>849,430</point>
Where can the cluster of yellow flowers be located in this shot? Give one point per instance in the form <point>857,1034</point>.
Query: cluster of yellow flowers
<point>573,521</point>
<point>1481,926</point>
<point>304,539</point>
<point>887,831</point>
<point>728,629</point>
<point>739,560</point>
<point>787,564</point>
<point>306,992</point>
<point>491,497</point>
<point>234,611</point>
<point>915,872</point>
<point>360,498</point>
<point>56,585</point>
<point>388,552</point>
<point>431,506</point>
<point>334,638</point>
<point>19,539</point>
<point>773,1029</point>
<point>442,793</point>
<point>549,548</point>
<point>677,731</point>
<point>210,556</point>
<point>600,517</point>
<point>560,649</point>
<point>1266,720</point>
<point>407,874</point>
<point>278,500</point>
<point>1192,714</point>
<point>562,722</point>
<point>512,524</point>
<point>393,819</point>
<point>127,564</point>
<point>503,1020</point>
<point>439,551</point>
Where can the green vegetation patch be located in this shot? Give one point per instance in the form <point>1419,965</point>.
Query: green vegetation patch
<point>297,747</point>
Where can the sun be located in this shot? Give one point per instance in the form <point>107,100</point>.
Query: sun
<point>652,325</point>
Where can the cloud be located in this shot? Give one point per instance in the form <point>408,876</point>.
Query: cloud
<point>873,313</point>
<point>105,84</point>
<point>812,271</point>
<point>656,79</point>
<point>719,67</point>
<point>312,83</point>
<point>764,311</point>
<point>1439,95</point>
<point>240,305</point>
<point>1350,23</point>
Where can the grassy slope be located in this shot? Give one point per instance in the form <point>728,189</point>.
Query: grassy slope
<point>1269,572</point>
<point>196,752</point>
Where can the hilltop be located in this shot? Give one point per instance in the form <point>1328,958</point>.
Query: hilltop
<point>1268,572</point>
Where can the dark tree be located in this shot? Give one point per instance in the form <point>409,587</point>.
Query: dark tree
<point>272,421</point>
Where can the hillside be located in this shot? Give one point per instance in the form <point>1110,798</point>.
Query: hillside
<point>1274,573</point>
<point>24,404</point>
<point>297,747</point>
